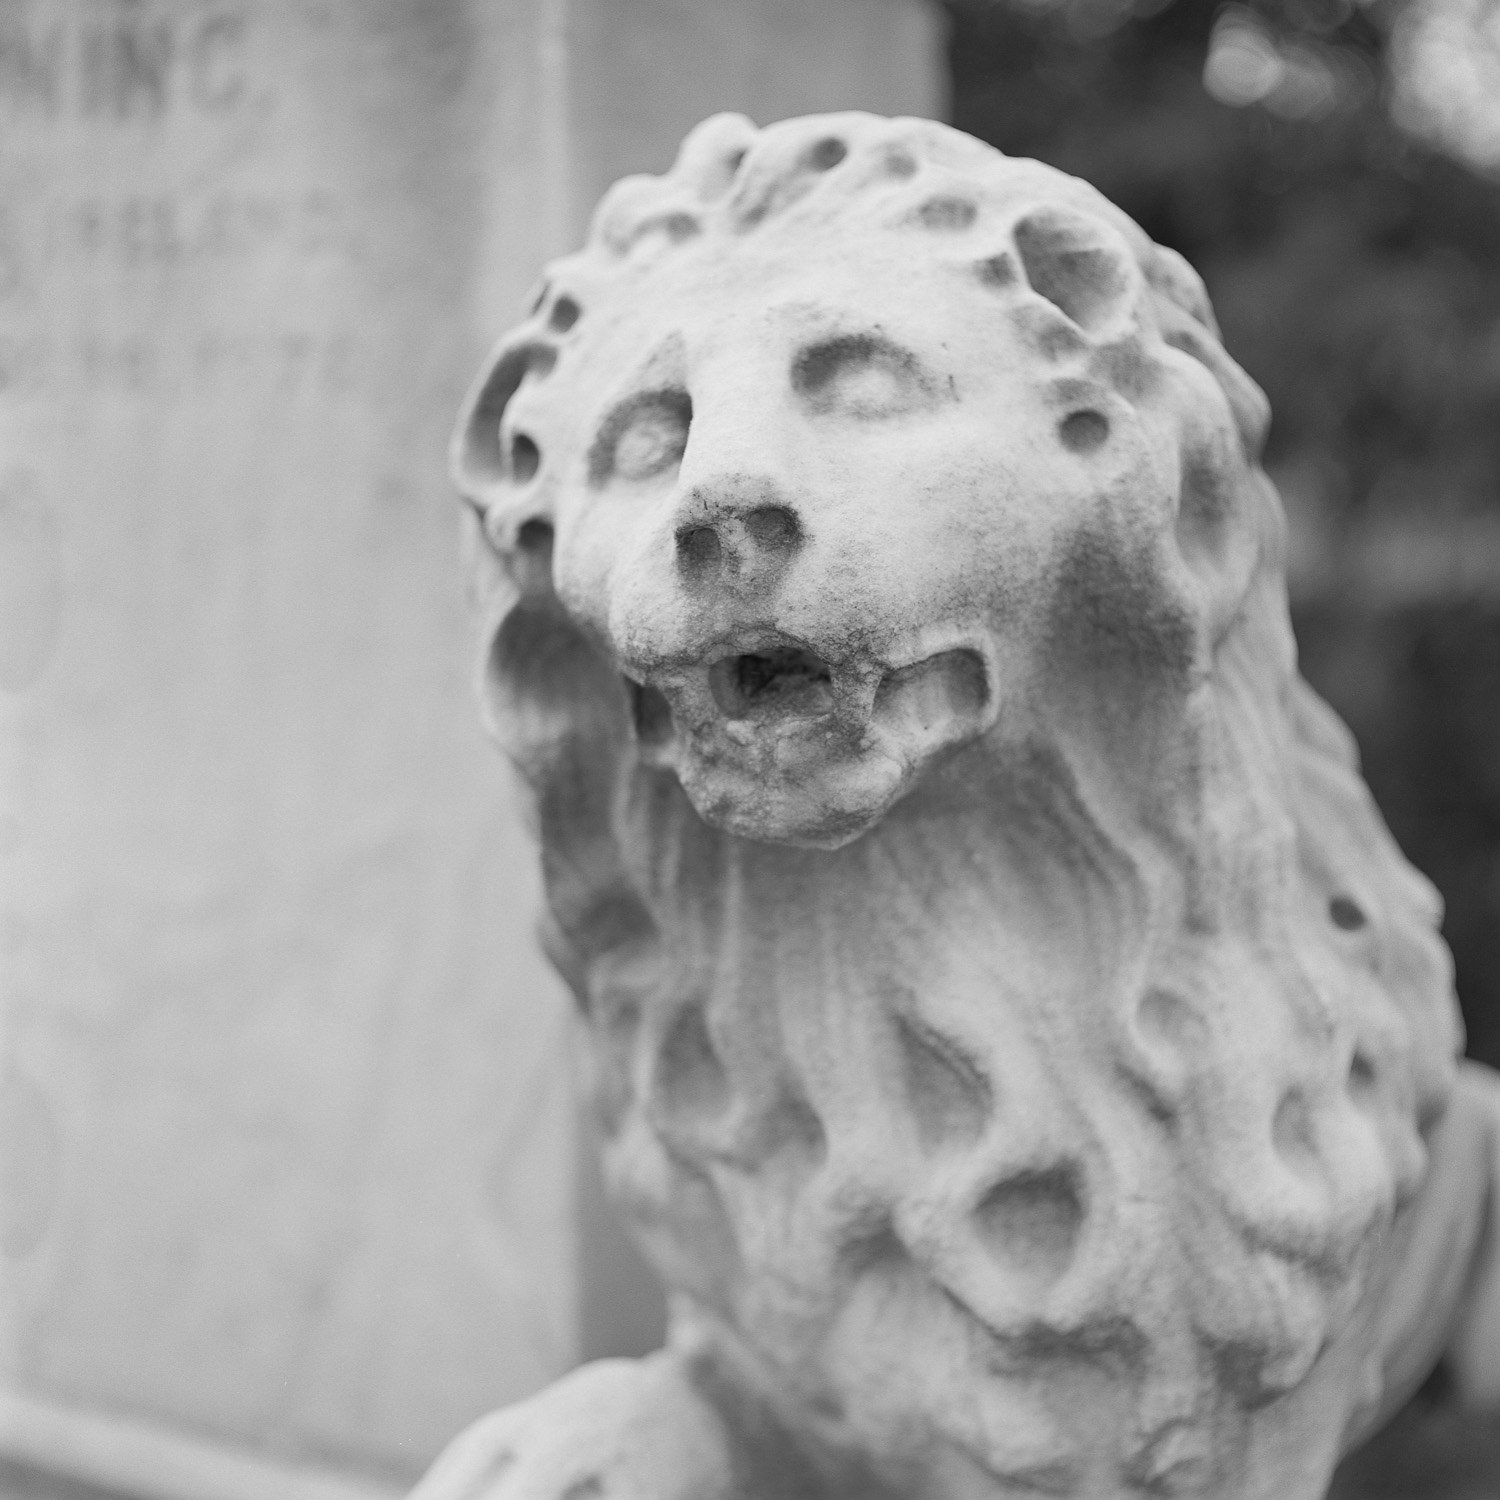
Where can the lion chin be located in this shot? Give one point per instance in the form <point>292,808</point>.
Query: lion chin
<point>1020,1047</point>
<point>774,742</point>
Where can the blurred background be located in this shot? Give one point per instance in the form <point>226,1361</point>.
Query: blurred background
<point>293,1182</point>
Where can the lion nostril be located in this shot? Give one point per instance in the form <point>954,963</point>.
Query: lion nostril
<point>738,546</point>
<point>773,528</point>
<point>699,549</point>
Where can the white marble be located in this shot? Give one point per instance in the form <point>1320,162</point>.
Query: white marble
<point>1023,1052</point>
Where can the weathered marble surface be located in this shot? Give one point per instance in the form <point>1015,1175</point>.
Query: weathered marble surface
<point>1023,1052</point>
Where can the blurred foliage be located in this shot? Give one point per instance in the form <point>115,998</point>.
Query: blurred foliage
<point>1355,269</point>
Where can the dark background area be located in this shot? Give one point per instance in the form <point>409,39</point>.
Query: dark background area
<point>1355,270</point>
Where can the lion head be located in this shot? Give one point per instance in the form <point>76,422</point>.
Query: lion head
<point>1013,1024</point>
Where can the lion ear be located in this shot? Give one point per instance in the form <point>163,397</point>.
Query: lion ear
<point>1080,265</point>
<point>535,663</point>
<point>483,472</point>
<point>476,461</point>
<point>499,482</point>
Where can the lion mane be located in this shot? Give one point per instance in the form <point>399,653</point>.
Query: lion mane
<point>1049,1127</point>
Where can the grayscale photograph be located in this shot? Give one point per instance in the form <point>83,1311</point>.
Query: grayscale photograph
<point>750,749</point>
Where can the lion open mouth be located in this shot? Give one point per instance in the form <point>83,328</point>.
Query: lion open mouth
<point>782,682</point>
<point>773,740</point>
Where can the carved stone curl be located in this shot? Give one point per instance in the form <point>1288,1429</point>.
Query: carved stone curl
<point>1021,1049</point>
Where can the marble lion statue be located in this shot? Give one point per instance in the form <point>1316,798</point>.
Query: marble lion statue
<point>1021,1049</point>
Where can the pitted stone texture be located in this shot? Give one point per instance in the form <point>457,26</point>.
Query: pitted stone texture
<point>1021,1045</point>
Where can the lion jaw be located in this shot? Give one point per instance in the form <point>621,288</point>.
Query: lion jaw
<point>774,741</point>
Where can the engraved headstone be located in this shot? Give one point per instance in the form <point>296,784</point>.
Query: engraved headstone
<point>288,1149</point>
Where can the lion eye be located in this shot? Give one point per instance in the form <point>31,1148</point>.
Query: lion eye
<point>653,442</point>
<point>862,376</point>
<point>643,438</point>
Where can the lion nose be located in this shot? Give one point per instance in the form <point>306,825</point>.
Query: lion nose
<point>739,547</point>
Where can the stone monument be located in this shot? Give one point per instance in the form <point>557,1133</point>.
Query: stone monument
<point>1022,1051</point>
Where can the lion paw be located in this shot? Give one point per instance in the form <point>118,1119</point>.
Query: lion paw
<point>615,1430</point>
